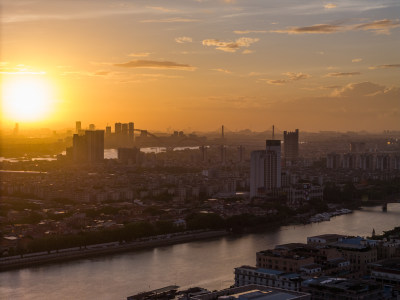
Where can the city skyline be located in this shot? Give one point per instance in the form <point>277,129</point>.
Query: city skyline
<point>317,65</point>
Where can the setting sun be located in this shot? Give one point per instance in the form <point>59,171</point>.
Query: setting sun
<point>27,99</point>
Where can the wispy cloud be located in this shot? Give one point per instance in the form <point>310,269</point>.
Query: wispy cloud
<point>222,71</point>
<point>183,39</point>
<point>379,27</point>
<point>292,76</point>
<point>247,51</point>
<point>391,66</point>
<point>163,9</point>
<point>342,74</point>
<point>230,46</point>
<point>170,20</point>
<point>297,76</point>
<point>356,60</point>
<point>249,31</point>
<point>330,5</point>
<point>276,81</point>
<point>19,69</point>
<point>318,28</point>
<point>153,64</point>
<point>140,54</point>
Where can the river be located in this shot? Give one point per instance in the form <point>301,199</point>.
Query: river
<point>208,264</point>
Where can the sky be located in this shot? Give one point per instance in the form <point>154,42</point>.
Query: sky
<point>194,65</point>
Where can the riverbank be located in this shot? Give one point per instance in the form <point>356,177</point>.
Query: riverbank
<point>33,259</point>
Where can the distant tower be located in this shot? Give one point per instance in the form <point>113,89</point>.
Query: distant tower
<point>88,147</point>
<point>131,130</point>
<point>273,131</point>
<point>118,127</point>
<point>108,130</point>
<point>124,129</point>
<point>265,169</point>
<point>16,129</point>
<point>291,146</point>
<point>78,126</point>
<point>92,127</point>
<point>222,132</point>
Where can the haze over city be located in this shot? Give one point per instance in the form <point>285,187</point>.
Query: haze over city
<point>317,65</point>
<point>200,149</point>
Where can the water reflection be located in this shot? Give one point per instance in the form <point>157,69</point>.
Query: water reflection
<point>205,263</point>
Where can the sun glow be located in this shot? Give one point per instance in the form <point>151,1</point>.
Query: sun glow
<point>27,99</point>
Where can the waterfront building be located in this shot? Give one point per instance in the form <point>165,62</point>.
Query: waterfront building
<point>322,288</point>
<point>88,147</point>
<point>246,275</point>
<point>358,252</point>
<point>253,292</point>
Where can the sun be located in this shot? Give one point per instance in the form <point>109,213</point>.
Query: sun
<point>26,99</point>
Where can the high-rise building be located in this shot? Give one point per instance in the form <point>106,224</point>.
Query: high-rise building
<point>88,147</point>
<point>291,146</point>
<point>131,130</point>
<point>118,128</point>
<point>124,129</point>
<point>78,126</point>
<point>92,127</point>
<point>265,169</point>
<point>272,167</point>
<point>108,130</point>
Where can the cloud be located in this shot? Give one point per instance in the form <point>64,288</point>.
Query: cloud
<point>342,74</point>
<point>356,60</point>
<point>332,87</point>
<point>222,71</point>
<point>19,69</point>
<point>392,66</point>
<point>249,31</point>
<point>183,39</point>
<point>330,5</point>
<point>361,89</point>
<point>230,46</point>
<point>318,28</point>
<point>102,73</point>
<point>297,76</point>
<point>170,20</point>
<point>139,54</point>
<point>276,81</point>
<point>164,9</point>
<point>247,51</point>
<point>293,76</point>
<point>152,64</point>
<point>380,26</point>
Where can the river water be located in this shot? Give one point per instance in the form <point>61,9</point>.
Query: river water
<point>208,264</point>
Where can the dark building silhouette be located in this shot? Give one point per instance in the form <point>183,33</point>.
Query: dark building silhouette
<point>118,128</point>
<point>131,129</point>
<point>78,126</point>
<point>88,147</point>
<point>128,155</point>
<point>291,146</point>
<point>108,130</point>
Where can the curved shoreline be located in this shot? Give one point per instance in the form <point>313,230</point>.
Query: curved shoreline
<point>103,249</point>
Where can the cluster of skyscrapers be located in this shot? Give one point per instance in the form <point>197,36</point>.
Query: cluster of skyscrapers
<point>266,165</point>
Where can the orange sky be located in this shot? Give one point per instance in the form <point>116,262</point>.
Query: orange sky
<point>197,64</point>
